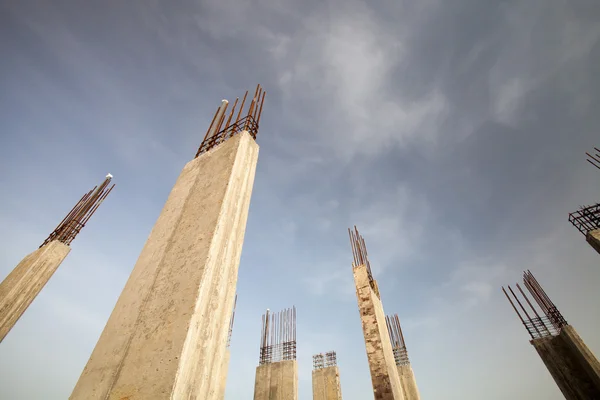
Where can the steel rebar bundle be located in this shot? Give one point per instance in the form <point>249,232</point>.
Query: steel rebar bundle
<point>79,215</point>
<point>278,336</point>
<point>359,251</point>
<point>217,134</point>
<point>326,360</point>
<point>542,321</point>
<point>397,339</point>
<point>586,219</point>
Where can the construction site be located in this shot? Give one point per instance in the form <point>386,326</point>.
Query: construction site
<point>169,335</point>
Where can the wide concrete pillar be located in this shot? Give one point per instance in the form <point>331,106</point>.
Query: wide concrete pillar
<point>384,375</point>
<point>571,364</point>
<point>326,384</point>
<point>224,370</point>
<point>166,337</point>
<point>593,238</point>
<point>408,382</point>
<point>277,381</point>
<point>25,282</point>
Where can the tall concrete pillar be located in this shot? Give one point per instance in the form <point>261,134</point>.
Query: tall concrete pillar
<point>326,377</point>
<point>26,281</point>
<point>166,337</point>
<point>405,371</point>
<point>277,381</point>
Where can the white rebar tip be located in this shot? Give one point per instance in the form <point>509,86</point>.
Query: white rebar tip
<point>109,176</point>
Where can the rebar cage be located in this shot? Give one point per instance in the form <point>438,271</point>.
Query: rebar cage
<point>586,219</point>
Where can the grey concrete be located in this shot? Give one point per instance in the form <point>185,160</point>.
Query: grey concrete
<point>26,281</point>
<point>166,337</point>
<point>384,374</point>
<point>277,381</point>
<point>326,384</point>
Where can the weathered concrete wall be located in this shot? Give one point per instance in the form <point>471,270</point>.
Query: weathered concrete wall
<point>224,370</point>
<point>166,337</point>
<point>326,384</point>
<point>582,353</point>
<point>277,381</point>
<point>25,282</point>
<point>384,375</point>
<point>408,382</point>
<point>593,238</point>
<point>563,365</point>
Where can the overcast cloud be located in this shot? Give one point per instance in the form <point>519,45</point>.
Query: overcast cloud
<point>452,133</point>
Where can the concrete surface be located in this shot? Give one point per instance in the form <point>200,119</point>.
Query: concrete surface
<point>593,238</point>
<point>25,282</point>
<point>166,337</point>
<point>408,382</point>
<point>564,365</point>
<point>224,370</point>
<point>326,384</point>
<point>277,381</point>
<point>384,375</point>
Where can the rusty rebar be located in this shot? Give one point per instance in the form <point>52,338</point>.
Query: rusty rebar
<point>594,159</point>
<point>278,336</point>
<point>359,251</point>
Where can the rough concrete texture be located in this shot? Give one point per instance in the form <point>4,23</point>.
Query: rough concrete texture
<point>384,375</point>
<point>326,384</point>
<point>277,381</point>
<point>408,382</point>
<point>564,366</point>
<point>224,369</point>
<point>593,238</point>
<point>166,337</point>
<point>25,282</point>
<point>582,353</point>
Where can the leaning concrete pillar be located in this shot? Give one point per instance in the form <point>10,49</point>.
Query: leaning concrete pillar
<point>405,371</point>
<point>384,374</point>
<point>25,282</point>
<point>166,337</point>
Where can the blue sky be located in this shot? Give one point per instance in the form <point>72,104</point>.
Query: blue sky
<point>453,135</point>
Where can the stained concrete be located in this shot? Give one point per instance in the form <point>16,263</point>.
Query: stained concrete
<point>326,384</point>
<point>277,381</point>
<point>224,369</point>
<point>593,238</point>
<point>166,337</point>
<point>408,382</point>
<point>25,282</point>
<point>384,374</point>
<point>563,357</point>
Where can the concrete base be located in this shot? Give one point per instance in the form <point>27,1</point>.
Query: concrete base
<point>166,337</point>
<point>384,374</point>
<point>593,238</point>
<point>408,382</point>
<point>326,384</point>
<point>224,369</point>
<point>277,381</point>
<point>26,281</point>
<point>563,357</point>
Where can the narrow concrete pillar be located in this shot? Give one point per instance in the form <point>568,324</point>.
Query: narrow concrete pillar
<point>563,361</point>
<point>277,381</point>
<point>166,337</point>
<point>593,238</point>
<point>384,374</point>
<point>408,382</point>
<point>224,370</point>
<point>326,384</point>
<point>25,282</point>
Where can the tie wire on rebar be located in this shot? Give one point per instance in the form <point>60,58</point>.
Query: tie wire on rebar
<point>79,215</point>
<point>221,129</point>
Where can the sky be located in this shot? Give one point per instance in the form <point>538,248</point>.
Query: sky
<point>451,133</point>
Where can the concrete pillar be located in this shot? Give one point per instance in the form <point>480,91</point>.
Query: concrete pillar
<point>277,381</point>
<point>166,337</point>
<point>25,282</point>
<point>326,384</point>
<point>384,375</point>
<point>224,370</point>
<point>563,357</point>
<point>593,238</point>
<point>408,382</point>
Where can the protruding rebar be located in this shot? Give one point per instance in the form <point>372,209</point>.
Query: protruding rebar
<point>79,215</point>
<point>278,336</point>
<point>545,319</point>
<point>586,219</point>
<point>594,159</point>
<point>359,251</point>
<point>326,360</point>
<point>231,322</point>
<point>217,133</point>
<point>397,339</point>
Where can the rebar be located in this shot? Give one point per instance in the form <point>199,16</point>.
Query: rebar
<point>249,122</point>
<point>231,323</point>
<point>326,360</point>
<point>278,336</point>
<point>397,339</point>
<point>594,159</point>
<point>359,251</point>
<point>543,318</point>
<point>79,215</point>
<point>586,219</point>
